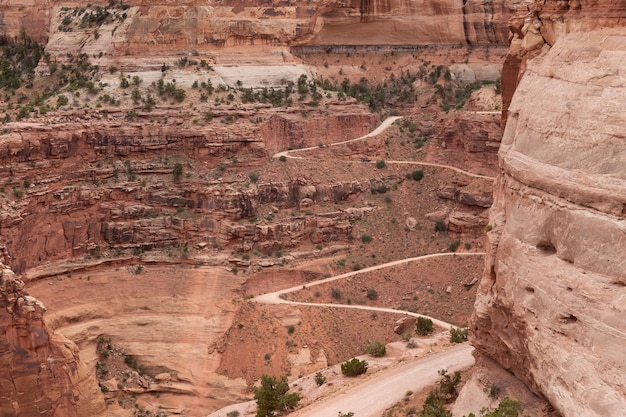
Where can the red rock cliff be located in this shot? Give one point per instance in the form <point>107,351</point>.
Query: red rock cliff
<point>42,374</point>
<point>551,304</point>
<point>151,28</point>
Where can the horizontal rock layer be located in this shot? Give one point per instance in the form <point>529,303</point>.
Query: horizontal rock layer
<point>153,28</point>
<point>81,199</point>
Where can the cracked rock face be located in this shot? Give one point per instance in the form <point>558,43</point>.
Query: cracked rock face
<point>551,304</point>
<point>41,372</point>
<point>152,28</point>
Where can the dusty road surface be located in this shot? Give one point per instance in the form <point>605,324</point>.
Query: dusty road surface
<point>383,389</point>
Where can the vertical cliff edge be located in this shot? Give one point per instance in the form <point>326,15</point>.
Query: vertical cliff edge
<point>42,374</point>
<point>551,304</point>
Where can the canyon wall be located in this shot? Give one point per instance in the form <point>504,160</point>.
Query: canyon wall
<point>41,372</point>
<point>551,305</point>
<point>152,28</point>
<point>80,200</point>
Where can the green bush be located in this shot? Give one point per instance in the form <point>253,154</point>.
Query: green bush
<point>376,349</point>
<point>272,396</point>
<point>506,408</point>
<point>320,379</point>
<point>380,164</point>
<point>254,177</point>
<point>493,391</point>
<point>423,326</point>
<point>454,245</point>
<point>445,393</point>
<point>440,226</point>
<point>353,367</point>
<point>458,335</point>
<point>283,158</point>
<point>62,101</point>
<point>177,172</point>
<point>417,175</point>
<point>335,293</point>
<point>366,238</point>
<point>372,294</point>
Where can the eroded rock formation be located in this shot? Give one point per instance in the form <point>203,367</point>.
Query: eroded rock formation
<point>551,304</point>
<point>154,27</point>
<point>42,373</point>
<point>63,218</point>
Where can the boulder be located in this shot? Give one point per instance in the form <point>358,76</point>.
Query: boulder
<point>406,323</point>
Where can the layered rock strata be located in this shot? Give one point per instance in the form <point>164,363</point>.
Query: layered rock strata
<point>42,373</point>
<point>551,303</point>
<point>152,28</point>
<point>72,196</point>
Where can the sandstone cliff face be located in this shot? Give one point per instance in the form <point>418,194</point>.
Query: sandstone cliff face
<point>551,304</point>
<point>81,201</point>
<point>539,24</point>
<point>150,28</point>
<point>42,373</point>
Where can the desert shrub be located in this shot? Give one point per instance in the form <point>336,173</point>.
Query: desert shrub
<point>448,385</point>
<point>272,396</point>
<point>458,335</point>
<point>493,391</point>
<point>130,361</point>
<point>440,226</point>
<point>380,164</point>
<point>62,101</point>
<point>376,349</point>
<point>177,172</point>
<point>506,408</point>
<point>283,158</point>
<point>372,294</point>
<point>233,413</point>
<point>454,245</point>
<point>335,293</point>
<point>423,326</point>
<point>320,379</point>
<point>291,329</point>
<point>445,393</point>
<point>366,238</point>
<point>353,367</point>
<point>417,175</point>
<point>254,177</point>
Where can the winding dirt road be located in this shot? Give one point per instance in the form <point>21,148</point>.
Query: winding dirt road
<point>374,394</point>
<point>377,392</point>
<point>275,297</point>
<point>383,126</point>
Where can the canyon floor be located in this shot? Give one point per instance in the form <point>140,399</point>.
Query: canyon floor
<point>170,328</point>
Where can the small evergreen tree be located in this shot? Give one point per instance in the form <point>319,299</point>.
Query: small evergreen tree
<point>423,326</point>
<point>353,367</point>
<point>458,335</point>
<point>272,396</point>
